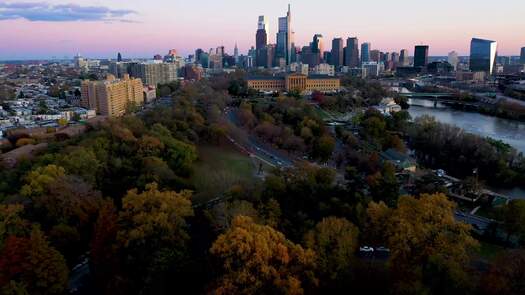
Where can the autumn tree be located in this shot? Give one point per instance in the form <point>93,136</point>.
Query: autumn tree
<point>335,242</point>
<point>153,231</point>
<point>427,244</point>
<point>514,219</point>
<point>32,263</point>
<point>506,275</point>
<point>256,259</point>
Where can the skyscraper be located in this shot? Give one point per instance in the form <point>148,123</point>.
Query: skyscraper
<point>261,40</point>
<point>337,53</point>
<point>365,52</point>
<point>482,55</point>
<point>284,37</point>
<point>119,57</point>
<point>453,59</point>
<point>317,49</point>
<point>236,53</point>
<point>403,58</point>
<point>421,56</point>
<point>522,57</point>
<point>352,52</point>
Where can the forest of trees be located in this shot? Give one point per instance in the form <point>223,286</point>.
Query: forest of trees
<point>120,195</point>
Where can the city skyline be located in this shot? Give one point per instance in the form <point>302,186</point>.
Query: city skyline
<point>57,29</point>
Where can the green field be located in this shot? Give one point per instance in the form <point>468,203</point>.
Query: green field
<point>218,169</point>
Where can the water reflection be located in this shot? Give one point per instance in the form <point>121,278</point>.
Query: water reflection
<point>508,131</point>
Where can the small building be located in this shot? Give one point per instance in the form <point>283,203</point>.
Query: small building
<point>388,106</point>
<point>401,161</point>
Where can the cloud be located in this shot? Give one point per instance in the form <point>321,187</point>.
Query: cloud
<point>42,11</point>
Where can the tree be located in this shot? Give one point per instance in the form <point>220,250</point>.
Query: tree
<point>39,179</point>
<point>153,232</point>
<point>334,240</point>
<point>11,224</point>
<point>427,244</point>
<point>506,275</point>
<point>32,262</point>
<point>324,147</point>
<point>256,259</point>
<point>514,219</point>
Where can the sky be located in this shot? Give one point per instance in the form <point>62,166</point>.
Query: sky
<point>141,28</point>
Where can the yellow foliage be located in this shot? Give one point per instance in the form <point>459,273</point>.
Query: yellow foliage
<point>258,259</point>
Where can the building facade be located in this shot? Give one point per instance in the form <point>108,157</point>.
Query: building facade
<point>365,52</point>
<point>154,73</point>
<point>483,55</point>
<point>421,56</point>
<point>284,38</point>
<point>297,82</point>
<point>112,96</point>
<point>352,52</point>
<point>337,53</point>
<point>404,60</point>
<point>522,56</point>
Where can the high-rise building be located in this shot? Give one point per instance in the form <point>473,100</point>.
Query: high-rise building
<point>154,73</point>
<point>285,38</point>
<point>403,58</point>
<point>119,57</point>
<point>365,52</point>
<point>421,56</point>
<point>522,56</point>
<point>112,96</point>
<point>352,52</point>
<point>261,40</point>
<point>453,59</point>
<point>316,50</point>
<point>337,53</point>
<point>236,54</point>
<point>483,55</point>
<point>375,55</point>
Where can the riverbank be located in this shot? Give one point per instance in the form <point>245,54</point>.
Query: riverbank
<point>508,131</point>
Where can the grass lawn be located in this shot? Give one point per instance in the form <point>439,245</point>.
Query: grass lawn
<point>218,169</point>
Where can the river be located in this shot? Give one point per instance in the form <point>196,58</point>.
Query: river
<point>508,131</point>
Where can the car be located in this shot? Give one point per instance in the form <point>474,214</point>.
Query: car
<point>366,249</point>
<point>440,172</point>
<point>382,249</point>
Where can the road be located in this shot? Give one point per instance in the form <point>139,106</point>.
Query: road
<point>254,147</point>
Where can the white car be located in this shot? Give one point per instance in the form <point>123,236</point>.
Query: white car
<point>366,249</point>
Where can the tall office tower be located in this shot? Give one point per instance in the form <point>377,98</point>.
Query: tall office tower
<point>236,53</point>
<point>261,40</point>
<point>375,56</point>
<point>483,55</point>
<point>352,52</point>
<point>263,24</point>
<point>337,53</point>
<point>316,49</point>
<point>270,55</point>
<point>285,38</point>
<point>198,54</point>
<point>403,58</point>
<point>421,56</point>
<point>119,57</point>
<point>365,52</point>
<point>395,57</point>
<point>220,51</point>
<point>453,59</point>
<point>522,56</point>
<point>111,96</point>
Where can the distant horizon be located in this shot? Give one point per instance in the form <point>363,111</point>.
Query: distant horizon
<point>42,30</point>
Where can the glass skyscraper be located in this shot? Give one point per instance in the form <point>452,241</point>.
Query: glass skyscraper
<point>482,55</point>
<point>365,52</point>
<point>522,56</point>
<point>284,37</point>
<point>421,56</point>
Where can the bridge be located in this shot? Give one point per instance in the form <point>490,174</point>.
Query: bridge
<point>426,95</point>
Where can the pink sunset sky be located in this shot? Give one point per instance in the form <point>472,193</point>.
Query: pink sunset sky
<point>139,28</point>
